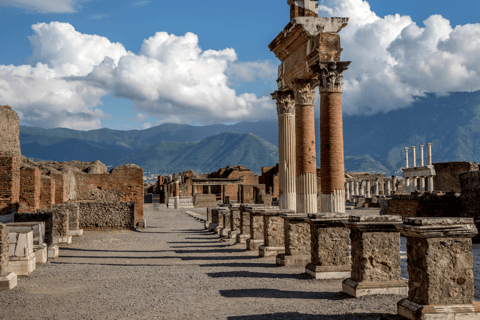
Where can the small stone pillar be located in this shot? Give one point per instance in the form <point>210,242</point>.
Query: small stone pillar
<point>219,227</point>
<point>234,222</point>
<point>440,262</point>
<point>8,280</point>
<point>375,256</point>
<point>414,157</point>
<point>357,192</point>
<point>377,187</point>
<point>362,188</point>
<point>388,188</point>
<point>407,185</point>
<point>209,220</point>
<point>223,233</point>
<point>430,184</point>
<point>347,191</point>
<point>297,241</point>
<point>209,189</point>
<point>422,184</point>
<point>368,189</point>
<point>274,236</point>
<point>414,184</point>
<point>329,246</point>
<point>406,158</point>
<point>256,230</point>
<point>429,154</point>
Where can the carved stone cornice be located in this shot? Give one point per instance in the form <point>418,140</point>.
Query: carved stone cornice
<point>330,75</point>
<point>304,91</point>
<point>285,102</point>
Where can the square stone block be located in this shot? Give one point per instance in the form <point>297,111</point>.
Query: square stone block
<point>242,238</point>
<point>360,289</point>
<point>8,281</point>
<point>62,240</point>
<point>328,272</point>
<point>264,251</point>
<point>293,260</point>
<point>75,233</point>
<point>53,252</point>
<point>22,266</point>
<point>253,244</point>
<point>41,252</point>
<point>415,311</point>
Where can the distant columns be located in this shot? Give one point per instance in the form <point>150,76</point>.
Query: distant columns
<point>367,191</point>
<point>377,187</point>
<point>406,157</point>
<point>388,190</point>
<point>414,157</point>
<point>306,160</point>
<point>347,191</point>
<point>407,185</point>
<point>357,192</point>
<point>422,184</point>
<point>286,148</point>
<point>177,189</point>
<point>209,188</point>
<point>429,154</point>
<point>414,184</point>
<point>421,155</point>
<point>394,183</point>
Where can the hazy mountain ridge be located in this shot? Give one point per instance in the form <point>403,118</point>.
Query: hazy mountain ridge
<point>372,143</point>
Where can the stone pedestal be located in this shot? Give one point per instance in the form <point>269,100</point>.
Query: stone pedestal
<point>218,217</point>
<point>8,280</point>
<point>53,252</point>
<point>244,234</point>
<point>62,240</point>
<point>274,237</point>
<point>257,232</point>
<point>75,233</point>
<point>41,253</point>
<point>330,253</point>
<point>297,241</point>
<point>375,256</point>
<point>440,262</point>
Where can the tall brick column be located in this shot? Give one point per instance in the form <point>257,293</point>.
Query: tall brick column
<point>331,135</point>
<point>286,148</point>
<point>305,146</point>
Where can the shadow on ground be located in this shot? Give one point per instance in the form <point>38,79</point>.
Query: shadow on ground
<point>249,274</point>
<point>283,294</point>
<point>299,316</point>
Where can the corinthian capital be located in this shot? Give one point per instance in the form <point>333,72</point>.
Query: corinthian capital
<point>330,75</point>
<point>305,91</point>
<point>285,101</point>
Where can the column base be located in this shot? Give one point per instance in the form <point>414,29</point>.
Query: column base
<point>233,234</point>
<point>242,238</point>
<point>75,233</point>
<point>53,252</point>
<point>218,230</point>
<point>293,260</point>
<point>62,240</point>
<point>334,202</point>
<point>307,203</point>
<point>289,201</point>
<point>360,289</point>
<point>253,245</point>
<point>142,224</point>
<point>212,227</point>
<point>22,266</point>
<point>415,311</point>
<point>224,232</point>
<point>328,272</point>
<point>270,251</point>
<point>8,281</point>
<point>41,254</point>
<point>207,225</point>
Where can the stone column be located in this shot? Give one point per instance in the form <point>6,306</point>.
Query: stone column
<point>357,191</point>
<point>219,226</point>
<point>388,188</point>
<point>430,183</point>
<point>330,253</point>
<point>368,189</point>
<point>375,256</point>
<point>223,233</point>
<point>256,230</point>
<point>347,191</point>
<point>273,233</point>
<point>8,280</point>
<point>362,188</point>
<point>421,156</point>
<point>209,189</point>
<point>429,154</point>
<point>394,183</point>
<point>407,185</point>
<point>286,148</point>
<point>440,262</point>
<point>235,221</point>
<point>306,162</point>
<point>297,241</point>
<point>406,158</point>
<point>377,187</point>
<point>422,184</point>
<point>414,184</point>
<point>244,225</point>
<point>177,189</point>
<point>330,76</point>
<point>414,157</point>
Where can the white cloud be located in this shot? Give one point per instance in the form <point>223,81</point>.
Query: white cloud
<point>42,6</point>
<point>142,3</point>
<point>171,79</point>
<point>394,60</point>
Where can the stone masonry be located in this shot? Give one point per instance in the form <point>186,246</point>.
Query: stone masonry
<point>9,184</point>
<point>30,185</point>
<point>106,214</point>
<point>274,236</point>
<point>8,280</point>
<point>297,241</point>
<point>9,132</point>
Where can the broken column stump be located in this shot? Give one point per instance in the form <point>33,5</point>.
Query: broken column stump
<point>244,234</point>
<point>234,223</point>
<point>440,262</point>
<point>8,280</point>
<point>375,251</point>
<point>274,237</point>
<point>297,241</point>
<point>329,252</point>
<point>219,227</point>
<point>226,224</point>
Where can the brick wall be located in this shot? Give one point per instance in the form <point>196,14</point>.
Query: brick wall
<point>60,186</point>
<point>47,193</point>
<point>9,132</point>
<point>446,179</point>
<point>249,193</point>
<point>30,186</point>
<point>9,184</point>
<point>270,179</point>
<point>124,183</point>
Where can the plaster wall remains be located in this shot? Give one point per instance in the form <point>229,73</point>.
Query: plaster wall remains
<point>106,214</point>
<point>30,186</point>
<point>9,132</point>
<point>446,178</point>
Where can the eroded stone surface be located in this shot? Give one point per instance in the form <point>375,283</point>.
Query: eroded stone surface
<point>330,245</point>
<point>436,221</point>
<point>256,224</point>
<point>4,247</point>
<point>297,237</point>
<point>273,230</point>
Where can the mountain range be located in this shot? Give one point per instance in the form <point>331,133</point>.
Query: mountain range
<point>372,142</point>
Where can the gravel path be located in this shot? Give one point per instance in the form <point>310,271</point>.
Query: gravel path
<point>175,269</point>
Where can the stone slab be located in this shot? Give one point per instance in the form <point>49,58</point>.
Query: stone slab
<point>355,289</point>
<point>242,238</point>
<point>41,252</point>
<point>327,275</point>
<point>376,219</point>
<point>270,251</point>
<point>62,240</point>
<point>293,260</point>
<point>75,233</point>
<point>415,311</point>
<point>253,245</point>
<point>53,252</point>
<point>23,266</point>
<point>8,282</point>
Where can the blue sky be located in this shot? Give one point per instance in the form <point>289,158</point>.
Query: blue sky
<point>121,80</point>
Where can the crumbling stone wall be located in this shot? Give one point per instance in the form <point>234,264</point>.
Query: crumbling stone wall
<point>470,197</point>
<point>9,132</point>
<point>9,184</point>
<point>447,286</point>
<point>273,228</point>
<point>123,183</point>
<point>299,240</point>
<point>60,219</point>
<point>205,200</point>
<point>329,249</point>
<point>47,193</point>
<point>235,219</point>
<point>46,217</point>
<point>3,249</point>
<point>106,214</point>
<point>30,185</point>
<point>256,226</point>
<point>424,205</point>
<point>447,175</point>
<point>245,222</point>
<point>60,186</point>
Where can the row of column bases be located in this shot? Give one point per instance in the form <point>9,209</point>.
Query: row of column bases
<point>440,284</point>
<point>297,148</point>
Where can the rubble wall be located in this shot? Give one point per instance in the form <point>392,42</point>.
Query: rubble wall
<point>106,214</point>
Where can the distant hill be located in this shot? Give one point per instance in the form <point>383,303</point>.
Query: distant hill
<point>372,143</point>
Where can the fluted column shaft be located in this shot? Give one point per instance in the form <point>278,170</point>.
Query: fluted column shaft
<point>306,164</point>
<point>286,149</point>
